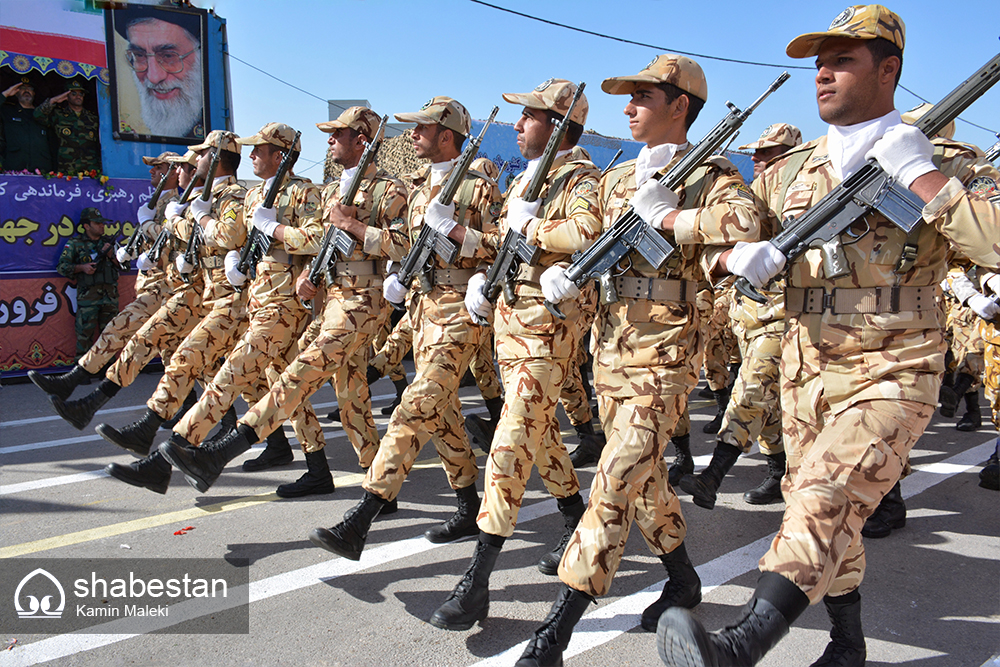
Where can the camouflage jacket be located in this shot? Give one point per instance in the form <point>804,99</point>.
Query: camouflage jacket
<point>851,358</point>
<point>569,220</point>
<point>645,347</point>
<point>296,205</point>
<point>79,137</point>
<point>81,250</point>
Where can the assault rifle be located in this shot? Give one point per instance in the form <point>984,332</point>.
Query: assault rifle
<point>870,189</point>
<point>420,260</point>
<point>197,239</point>
<point>258,243</point>
<point>156,250</point>
<point>336,240</point>
<point>138,238</point>
<point>993,152</point>
<point>503,168</point>
<point>515,249</point>
<point>612,163</point>
<point>157,192</point>
<point>630,233</point>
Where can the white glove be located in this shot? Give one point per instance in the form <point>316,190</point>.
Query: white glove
<point>475,301</point>
<point>182,265</point>
<point>556,286</point>
<point>122,255</point>
<point>174,209</point>
<point>991,281</point>
<point>520,213</point>
<point>653,201</point>
<point>201,208</point>
<point>231,261</point>
<point>440,218</point>
<point>265,219</point>
<point>945,286</point>
<point>904,152</point>
<point>144,214</point>
<point>757,262</point>
<point>144,263</point>
<point>393,290</point>
<point>983,306</point>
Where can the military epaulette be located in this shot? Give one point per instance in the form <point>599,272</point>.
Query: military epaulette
<point>945,143</point>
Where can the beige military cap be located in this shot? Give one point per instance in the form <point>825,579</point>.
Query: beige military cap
<point>443,111</point>
<point>222,139</point>
<point>360,119</point>
<point>553,95</point>
<point>276,134</point>
<point>166,157</point>
<point>680,71</point>
<point>857,22</point>
<point>779,134</point>
<point>190,158</point>
<point>915,114</point>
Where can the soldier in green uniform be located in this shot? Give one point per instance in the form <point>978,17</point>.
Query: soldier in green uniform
<point>24,143</point>
<point>77,129</point>
<point>88,259</point>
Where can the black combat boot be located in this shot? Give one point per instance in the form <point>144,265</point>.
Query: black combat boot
<point>847,640</point>
<point>316,481</point>
<point>390,507</point>
<point>152,472</point>
<point>481,430</point>
<point>545,649</point>
<point>683,588</point>
<point>400,386</point>
<point>721,401</point>
<point>588,452</point>
<point>683,462</point>
<point>950,397</point>
<point>79,412</point>
<point>136,437</point>
<point>572,509</point>
<point>334,415</point>
<point>348,537</point>
<point>227,425</point>
<point>277,453</point>
<point>682,641</point>
<point>61,385</point>
<point>203,465</point>
<point>769,490</point>
<point>188,403</point>
<point>973,418</point>
<point>462,523</point>
<point>989,476</point>
<point>705,487</point>
<point>706,392</point>
<point>890,514</point>
<point>469,603</point>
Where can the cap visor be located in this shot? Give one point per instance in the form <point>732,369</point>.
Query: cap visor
<point>330,125</point>
<point>624,85</point>
<point>418,117</point>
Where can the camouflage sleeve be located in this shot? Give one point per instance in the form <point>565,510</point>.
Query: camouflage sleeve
<point>43,113</point>
<point>582,224</point>
<point>180,226</point>
<point>228,230</point>
<point>303,229</point>
<point>967,209</point>
<point>765,188</point>
<point>389,238</point>
<point>483,213</point>
<point>68,259</point>
<point>727,214</point>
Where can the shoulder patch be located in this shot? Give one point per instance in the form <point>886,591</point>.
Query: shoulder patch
<point>583,188</point>
<point>741,190</point>
<point>983,185</point>
<point>495,208</point>
<point>310,207</point>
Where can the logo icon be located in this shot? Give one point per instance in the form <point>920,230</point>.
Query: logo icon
<point>39,608</point>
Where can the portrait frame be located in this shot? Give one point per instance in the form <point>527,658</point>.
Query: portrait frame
<point>131,121</point>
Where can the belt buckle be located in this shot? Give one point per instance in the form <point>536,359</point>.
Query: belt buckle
<point>829,299</point>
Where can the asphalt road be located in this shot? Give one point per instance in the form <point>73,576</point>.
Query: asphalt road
<point>931,596</point>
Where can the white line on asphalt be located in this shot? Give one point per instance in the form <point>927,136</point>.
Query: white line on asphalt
<point>52,481</point>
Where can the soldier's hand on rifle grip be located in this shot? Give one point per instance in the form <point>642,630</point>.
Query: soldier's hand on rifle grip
<point>520,213</point>
<point>757,262</point>
<point>476,302</point>
<point>144,214</point>
<point>265,219</point>
<point>556,286</point>
<point>653,202</point>
<point>440,218</point>
<point>174,209</point>
<point>983,306</point>
<point>201,208</point>
<point>393,290</point>
<point>182,264</point>
<point>344,217</point>
<point>121,254</point>
<point>905,153</point>
<point>232,273</point>
<point>144,263</point>
<point>304,288</point>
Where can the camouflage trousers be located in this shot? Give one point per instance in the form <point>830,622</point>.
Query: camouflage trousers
<point>720,345</point>
<point>161,334</point>
<point>526,436</point>
<point>838,471</point>
<point>395,371</point>
<point>118,332</point>
<point>200,354</point>
<point>429,409</point>
<point>574,397</point>
<point>331,351</point>
<point>630,485</point>
<point>753,410</point>
<point>264,350</point>
<point>991,376</point>
<point>93,314</point>
<point>964,341</point>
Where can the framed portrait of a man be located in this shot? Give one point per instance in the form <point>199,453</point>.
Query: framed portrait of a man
<point>159,74</point>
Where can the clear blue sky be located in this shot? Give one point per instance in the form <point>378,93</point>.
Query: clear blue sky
<point>399,54</point>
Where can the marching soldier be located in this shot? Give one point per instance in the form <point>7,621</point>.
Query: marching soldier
<point>648,348</point>
<point>444,338</point>
<point>276,315</point>
<point>860,374</point>
<point>536,351</point>
<point>989,476</point>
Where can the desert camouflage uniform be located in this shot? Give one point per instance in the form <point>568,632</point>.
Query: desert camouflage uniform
<point>573,395</point>
<point>962,331</point>
<point>200,355</point>
<point>536,351</point>
<point>991,376</point>
<point>857,390</point>
<point>720,346</point>
<point>444,342</point>
<point>276,316</point>
<point>647,358</point>
<point>354,312</point>
<point>389,353</point>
